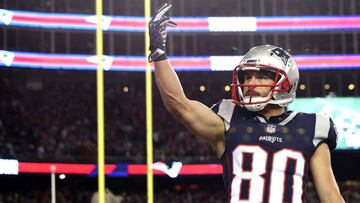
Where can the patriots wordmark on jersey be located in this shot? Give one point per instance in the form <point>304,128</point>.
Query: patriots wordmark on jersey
<point>268,160</point>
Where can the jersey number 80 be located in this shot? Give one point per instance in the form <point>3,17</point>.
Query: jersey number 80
<point>254,177</point>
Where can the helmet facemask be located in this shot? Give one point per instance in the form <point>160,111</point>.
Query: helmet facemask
<point>250,99</point>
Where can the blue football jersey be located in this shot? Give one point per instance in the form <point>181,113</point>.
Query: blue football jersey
<point>268,160</point>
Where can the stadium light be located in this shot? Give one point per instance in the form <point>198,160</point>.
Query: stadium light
<point>126,89</point>
<point>351,87</point>
<point>227,88</point>
<point>327,86</point>
<point>302,87</point>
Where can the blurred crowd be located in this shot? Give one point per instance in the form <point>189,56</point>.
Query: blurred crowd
<point>349,189</point>
<point>67,196</point>
<point>57,121</point>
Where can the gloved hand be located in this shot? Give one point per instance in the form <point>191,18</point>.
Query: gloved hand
<point>157,31</point>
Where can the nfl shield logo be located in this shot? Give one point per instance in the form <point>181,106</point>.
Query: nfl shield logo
<point>271,128</point>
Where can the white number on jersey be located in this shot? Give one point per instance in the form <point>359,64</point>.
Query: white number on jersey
<point>254,177</point>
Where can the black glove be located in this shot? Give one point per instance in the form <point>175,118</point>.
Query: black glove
<point>157,31</point>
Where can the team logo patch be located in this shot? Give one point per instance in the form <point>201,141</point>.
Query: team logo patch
<point>271,129</point>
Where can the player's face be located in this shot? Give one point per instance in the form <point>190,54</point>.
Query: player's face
<point>257,78</point>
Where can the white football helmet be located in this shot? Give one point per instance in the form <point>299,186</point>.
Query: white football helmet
<point>269,60</point>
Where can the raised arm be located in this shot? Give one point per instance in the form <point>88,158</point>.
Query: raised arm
<point>323,176</point>
<point>197,117</point>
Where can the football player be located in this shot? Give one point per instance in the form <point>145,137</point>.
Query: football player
<point>266,151</point>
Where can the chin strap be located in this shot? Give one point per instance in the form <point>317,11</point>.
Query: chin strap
<point>255,107</point>
<point>261,106</point>
<point>282,102</point>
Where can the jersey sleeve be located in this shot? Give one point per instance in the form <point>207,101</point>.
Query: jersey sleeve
<point>325,132</point>
<point>224,109</point>
<point>333,136</point>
